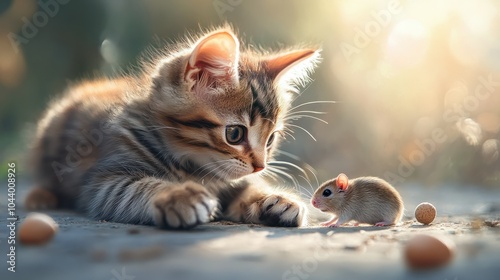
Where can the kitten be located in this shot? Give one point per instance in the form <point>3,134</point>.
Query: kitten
<point>176,145</point>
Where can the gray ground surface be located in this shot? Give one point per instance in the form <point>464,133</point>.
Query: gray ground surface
<point>86,249</point>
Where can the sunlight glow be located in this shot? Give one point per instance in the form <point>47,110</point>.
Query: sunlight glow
<point>407,43</point>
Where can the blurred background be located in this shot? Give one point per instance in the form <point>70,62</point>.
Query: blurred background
<point>417,82</point>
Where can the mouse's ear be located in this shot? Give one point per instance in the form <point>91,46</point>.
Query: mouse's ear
<point>342,181</point>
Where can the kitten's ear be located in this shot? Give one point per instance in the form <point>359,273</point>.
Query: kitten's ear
<point>342,182</point>
<point>294,65</point>
<point>213,61</point>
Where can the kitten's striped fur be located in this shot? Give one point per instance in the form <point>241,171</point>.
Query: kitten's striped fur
<point>158,148</point>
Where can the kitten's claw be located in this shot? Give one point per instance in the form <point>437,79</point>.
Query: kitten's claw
<point>276,210</point>
<point>184,207</point>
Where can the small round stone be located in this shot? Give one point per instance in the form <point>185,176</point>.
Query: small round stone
<point>425,213</point>
<point>37,229</point>
<point>426,251</point>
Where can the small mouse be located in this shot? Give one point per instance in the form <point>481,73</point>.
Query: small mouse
<point>368,200</point>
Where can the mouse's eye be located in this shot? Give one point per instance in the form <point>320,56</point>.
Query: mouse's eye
<point>327,192</point>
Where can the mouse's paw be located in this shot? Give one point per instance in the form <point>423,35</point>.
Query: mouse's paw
<point>382,224</point>
<point>277,210</point>
<point>334,225</point>
<point>329,223</point>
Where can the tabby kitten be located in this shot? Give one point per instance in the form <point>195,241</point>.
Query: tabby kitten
<point>177,145</point>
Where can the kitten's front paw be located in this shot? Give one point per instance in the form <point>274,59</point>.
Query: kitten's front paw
<point>184,207</point>
<point>276,210</point>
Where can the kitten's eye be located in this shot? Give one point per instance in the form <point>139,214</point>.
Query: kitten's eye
<point>327,193</point>
<point>235,134</point>
<point>271,140</point>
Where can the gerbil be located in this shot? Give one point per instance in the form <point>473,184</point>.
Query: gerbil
<point>368,200</point>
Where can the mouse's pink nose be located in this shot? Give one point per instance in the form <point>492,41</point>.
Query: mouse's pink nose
<point>314,203</point>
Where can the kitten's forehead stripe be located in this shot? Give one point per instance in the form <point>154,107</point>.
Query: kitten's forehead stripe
<point>265,102</point>
<point>196,122</point>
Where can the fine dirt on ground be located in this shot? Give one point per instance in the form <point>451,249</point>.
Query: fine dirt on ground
<point>87,249</point>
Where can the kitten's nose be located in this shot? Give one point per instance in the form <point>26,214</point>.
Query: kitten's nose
<point>257,168</point>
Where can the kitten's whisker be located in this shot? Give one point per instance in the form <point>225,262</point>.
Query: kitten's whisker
<point>217,171</point>
<point>305,112</point>
<point>289,164</point>
<point>305,193</point>
<point>269,173</point>
<point>284,168</point>
<point>206,167</point>
<point>227,172</point>
<point>272,171</point>
<point>289,133</point>
<point>210,167</point>
<point>305,130</point>
<point>313,102</point>
<point>308,192</point>
<point>208,164</point>
<point>296,117</point>
<point>312,170</point>
<point>290,155</point>
<point>278,171</point>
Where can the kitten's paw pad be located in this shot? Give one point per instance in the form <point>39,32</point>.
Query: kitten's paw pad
<point>184,207</point>
<point>40,199</point>
<point>276,210</point>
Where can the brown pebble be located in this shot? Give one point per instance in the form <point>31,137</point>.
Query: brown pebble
<point>37,229</point>
<point>425,213</point>
<point>426,251</point>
